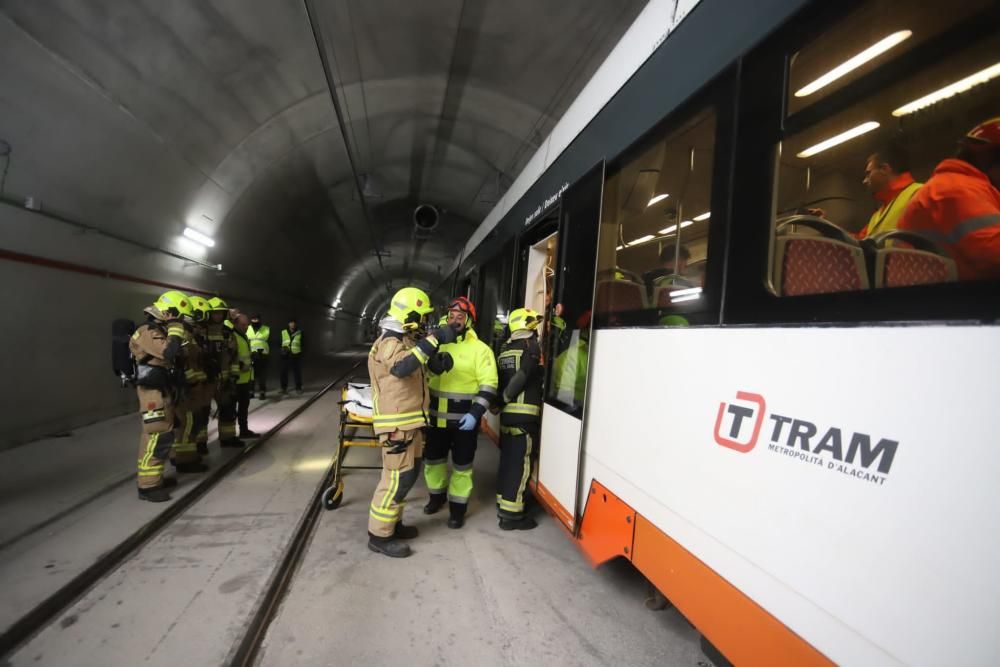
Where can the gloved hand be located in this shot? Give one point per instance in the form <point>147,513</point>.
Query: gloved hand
<point>440,363</point>
<point>444,335</point>
<point>467,422</point>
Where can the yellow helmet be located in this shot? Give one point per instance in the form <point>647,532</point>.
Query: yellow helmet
<point>523,318</point>
<point>443,320</point>
<point>218,304</point>
<point>171,304</point>
<point>409,306</point>
<point>200,308</point>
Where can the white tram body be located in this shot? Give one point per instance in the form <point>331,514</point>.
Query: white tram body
<point>793,442</point>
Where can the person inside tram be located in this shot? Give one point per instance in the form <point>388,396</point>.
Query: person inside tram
<point>667,273</point>
<point>888,179</point>
<point>569,371</point>
<point>960,205</point>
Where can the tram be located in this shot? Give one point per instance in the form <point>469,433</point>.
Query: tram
<point>789,431</point>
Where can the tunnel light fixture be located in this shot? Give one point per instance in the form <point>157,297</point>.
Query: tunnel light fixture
<point>704,216</point>
<point>839,139</point>
<point>657,198</point>
<point>950,90</point>
<point>851,64</point>
<point>198,237</point>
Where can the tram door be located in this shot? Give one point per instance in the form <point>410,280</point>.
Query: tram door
<point>567,347</point>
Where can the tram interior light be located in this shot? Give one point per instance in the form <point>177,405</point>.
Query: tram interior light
<point>851,64</point>
<point>642,239</point>
<point>198,237</point>
<point>839,139</point>
<point>657,198</point>
<point>950,90</point>
<point>704,216</point>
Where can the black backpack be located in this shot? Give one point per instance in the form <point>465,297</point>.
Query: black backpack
<point>122,362</point>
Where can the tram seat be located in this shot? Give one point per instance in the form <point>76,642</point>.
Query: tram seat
<point>810,264</point>
<point>619,296</point>
<point>918,261</point>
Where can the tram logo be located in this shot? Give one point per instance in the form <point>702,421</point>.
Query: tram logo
<point>834,449</point>
<point>742,418</point>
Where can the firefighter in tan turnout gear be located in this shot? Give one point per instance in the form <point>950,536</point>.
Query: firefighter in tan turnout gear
<point>197,393</point>
<point>155,346</point>
<point>396,366</point>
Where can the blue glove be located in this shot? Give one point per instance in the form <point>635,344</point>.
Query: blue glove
<point>467,422</point>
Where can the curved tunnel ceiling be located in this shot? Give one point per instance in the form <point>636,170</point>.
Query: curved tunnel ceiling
<point>143,117</point>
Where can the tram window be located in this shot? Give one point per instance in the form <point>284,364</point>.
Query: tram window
<point>654,229</point>
<point>850,209</point>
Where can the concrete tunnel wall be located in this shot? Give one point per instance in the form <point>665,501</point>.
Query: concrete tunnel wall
<point>56,324</point>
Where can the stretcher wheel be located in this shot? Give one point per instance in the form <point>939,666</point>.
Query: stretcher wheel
<point>333,495</point>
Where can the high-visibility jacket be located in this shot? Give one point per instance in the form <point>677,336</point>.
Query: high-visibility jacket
<point>258,339</point>
<point>222,359</point>
<point>959,208</point>
<point>569,372</point>
<point>894,201</point>
<point>469,387</point>
<point>398,403</point>
<point>520,375</point>
<point>244,372</point>
<point>292,341</point>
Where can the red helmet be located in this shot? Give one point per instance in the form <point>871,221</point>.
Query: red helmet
<point>463,304</point>
<point>987,132</point>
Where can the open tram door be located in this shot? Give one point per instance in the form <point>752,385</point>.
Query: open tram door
<point>566,345</point>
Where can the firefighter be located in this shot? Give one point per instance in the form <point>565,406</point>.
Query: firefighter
<point>222,347</point>
<point>156,346</point>
<point>244,373</point>
<point>520,374</point>
<point>204,404</point>
<point>459,399</point>
<point>260,349</point>
<point>396,367</point>
<point>186,457</point>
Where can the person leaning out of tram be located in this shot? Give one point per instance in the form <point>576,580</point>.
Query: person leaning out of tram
<point>400,396</point>
<point>520,375</point>
<point>459,398</point>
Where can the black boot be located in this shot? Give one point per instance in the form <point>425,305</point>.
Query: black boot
<point>232,442</point>
<point>156,494</point>
<point>527,523</point>
<point>203,448</point>
<point>169,482</point>
<point>401,532</point>
<point>436,502</point>
<point>248,434</point>
<point>389,546</point>
<point>193,466</point>
<point>457,512</point>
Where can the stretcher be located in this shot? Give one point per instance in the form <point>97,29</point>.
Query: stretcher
<point>355,431</point>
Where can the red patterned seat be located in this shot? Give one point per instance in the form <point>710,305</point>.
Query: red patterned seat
<point>818,265</point>
<point>618,296</point>
<point>900,267</point>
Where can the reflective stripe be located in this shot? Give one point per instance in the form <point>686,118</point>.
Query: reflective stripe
<point>973,225</point>
<point>489,389</point>
<point>154,416</point>
<point>461,468</point>
<point>401,419</point>
<point>391,491</point>
<point>447,416</point>
<point>420,354</point>
<point>479,400</point>
<point>512,430</point>
<point>384,517</point>
<point>451,395</point>
<point>522,409</point>
<point>509,506</point>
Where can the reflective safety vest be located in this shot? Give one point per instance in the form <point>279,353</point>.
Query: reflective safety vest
<point>258,339</point>
<point>471,384</point>
<point>520,355</point>
<point>569,373</point>
<point>894,201</point>
<point>292,341</point>
<point>960,209</point>
<point>244,372</point>
<point>398,403</point>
